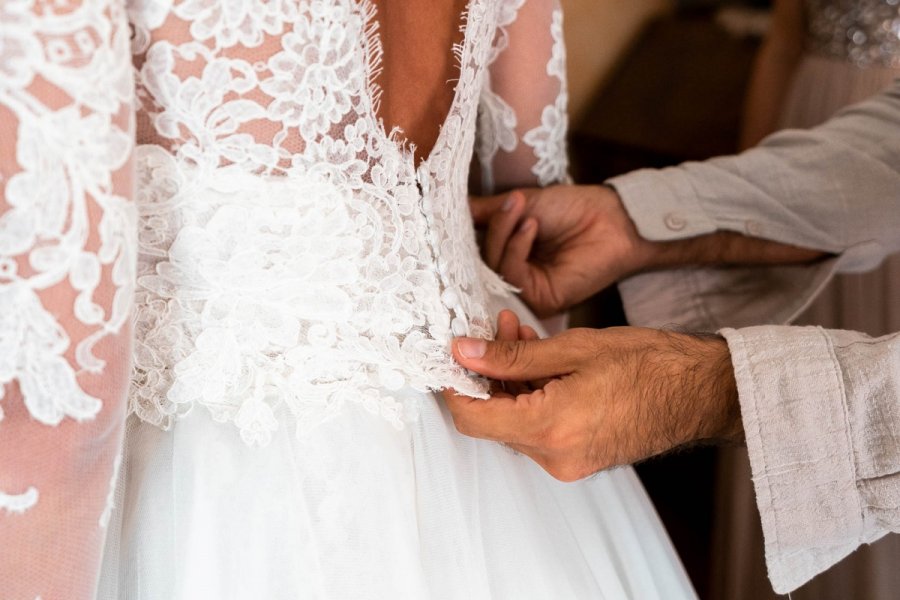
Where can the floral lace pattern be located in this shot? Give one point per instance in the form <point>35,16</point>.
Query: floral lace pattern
<point>496,118</point>
<point>65,160</point>
<point>290,290</point>
<point>68,245</point>
<point>382,268</point>
<point>315,268</point>
<point>502,126</point>
<point>549,139</point>
<point>497,124</point>
<point>19,503</point>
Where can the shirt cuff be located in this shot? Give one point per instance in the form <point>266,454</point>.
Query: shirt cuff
<point>798,435</point>
<point>663,204</point>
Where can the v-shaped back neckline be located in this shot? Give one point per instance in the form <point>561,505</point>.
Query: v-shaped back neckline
<point>373,56</point>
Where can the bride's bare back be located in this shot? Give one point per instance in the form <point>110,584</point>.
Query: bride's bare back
<point>420,69</point>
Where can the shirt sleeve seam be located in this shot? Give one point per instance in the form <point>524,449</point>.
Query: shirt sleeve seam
<point>759,435</point>
<point>839,376</point>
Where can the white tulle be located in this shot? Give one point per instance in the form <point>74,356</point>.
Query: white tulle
<point>358,509</point>
<point>297,277</point>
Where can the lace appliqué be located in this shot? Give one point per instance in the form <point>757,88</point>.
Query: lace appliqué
<point>19,503</point>
<point>496,118</point>
<point>549,138</point>
<point>64,161</point>
<point>275,276</point>
<point>496,131</point>
<point>276,291</point>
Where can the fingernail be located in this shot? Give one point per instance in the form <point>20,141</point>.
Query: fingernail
<point>471,348</point>
<point>527,225</point>
<point>508,204</point>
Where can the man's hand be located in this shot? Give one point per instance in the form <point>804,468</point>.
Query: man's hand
<point>560,245</point>
<point>587,400</point>
<point>564,243</point>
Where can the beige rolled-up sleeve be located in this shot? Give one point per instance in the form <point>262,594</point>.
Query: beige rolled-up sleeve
<point>821,413</point>
<point>835,188</point>
<point>821,409</point>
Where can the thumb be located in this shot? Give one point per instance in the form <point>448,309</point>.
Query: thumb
<point>514,360</point>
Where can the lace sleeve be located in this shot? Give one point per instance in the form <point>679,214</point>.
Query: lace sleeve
<point>67,252</point>
<point>522,122</point>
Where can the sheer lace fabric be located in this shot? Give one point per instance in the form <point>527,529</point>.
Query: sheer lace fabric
<point>67,265</point>
<point>522,126</point>
<point>280,222</point>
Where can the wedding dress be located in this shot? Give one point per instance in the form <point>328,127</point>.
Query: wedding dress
<point>298,275</point>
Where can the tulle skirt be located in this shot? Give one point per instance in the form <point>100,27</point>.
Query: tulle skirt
<point>356,508</point>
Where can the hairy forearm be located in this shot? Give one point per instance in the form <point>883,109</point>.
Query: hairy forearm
<point>679,391</point>
<point>602,397</point>
<point>726,248</point>
<point>711,380</point>
<point>693,377</point>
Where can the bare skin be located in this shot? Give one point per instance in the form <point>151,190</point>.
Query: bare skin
<point>417,87</point>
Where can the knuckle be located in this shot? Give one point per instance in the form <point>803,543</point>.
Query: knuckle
<point>462,424</point>
<point>561,439</point>
<point>514,353</point>
<point>565,472</point>
<point>579,337</point>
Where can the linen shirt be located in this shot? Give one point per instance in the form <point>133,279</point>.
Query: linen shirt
<point>820,408</point>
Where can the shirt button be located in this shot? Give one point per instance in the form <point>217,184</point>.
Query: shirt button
<point>754,228</point>
<point>675,222</point>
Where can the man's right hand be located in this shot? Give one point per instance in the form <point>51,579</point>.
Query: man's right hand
<point>561,244</point>
<point>590,399</point>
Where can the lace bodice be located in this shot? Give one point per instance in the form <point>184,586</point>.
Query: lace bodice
<point>68,242</point>
<point>290,255</point>
<point>292,252</point>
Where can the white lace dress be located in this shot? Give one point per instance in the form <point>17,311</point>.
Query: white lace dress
<point>298,276</point>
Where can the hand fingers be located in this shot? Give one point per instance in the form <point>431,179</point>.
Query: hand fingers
<point>516,361</point>
<point>508,331</point>
<point>527,333</point>
<point>511,421</point>
<point>500,418</point>
<point>485,207</point>
<point>513,264</point>
<point>507,326</point>
<point>501,226</point>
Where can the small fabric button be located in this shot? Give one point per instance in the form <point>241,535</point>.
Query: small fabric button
<point>675,222</point>
<point>754,228</point>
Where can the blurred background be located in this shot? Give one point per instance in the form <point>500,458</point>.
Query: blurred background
<point>658,82</point>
